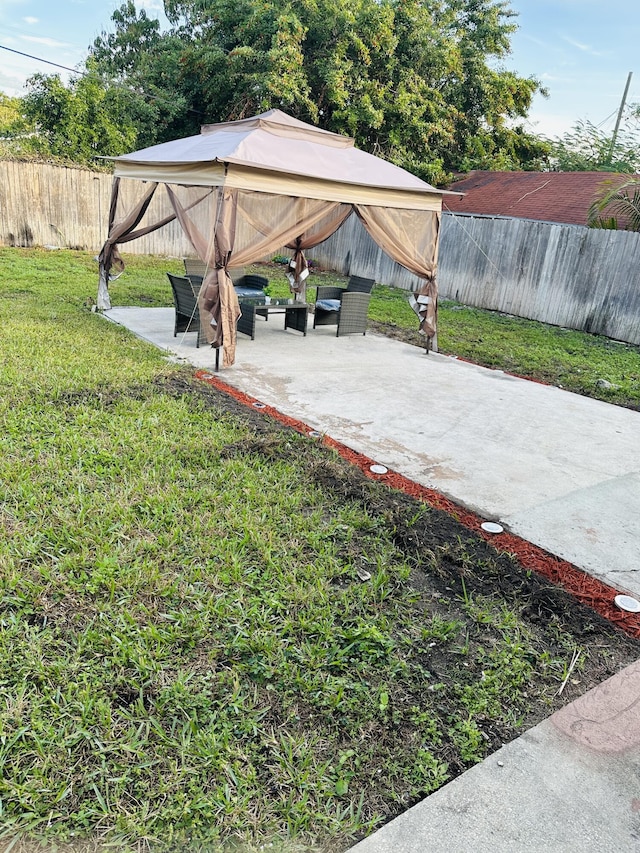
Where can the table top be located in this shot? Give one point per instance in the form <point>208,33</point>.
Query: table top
<point>259,302</point>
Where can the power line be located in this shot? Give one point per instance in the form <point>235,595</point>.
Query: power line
<point>40,59</point>
<point>157,98</point>
<point>608,118</point>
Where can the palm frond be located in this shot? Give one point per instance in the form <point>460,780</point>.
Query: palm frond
<point>619,201</point>
<point>609,223</point>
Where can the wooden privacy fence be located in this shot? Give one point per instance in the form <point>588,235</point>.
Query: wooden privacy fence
<point>567,275</point>
<point>45,205</point>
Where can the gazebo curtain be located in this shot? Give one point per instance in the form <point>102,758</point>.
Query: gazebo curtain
<point>411,239</point>
<point>321,231</point>
<point>248,225</point>
<point>124,231</point>
<point>269,221</point>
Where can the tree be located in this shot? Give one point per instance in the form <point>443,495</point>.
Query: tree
<point>76,122</point>
<point>587,148</point>
<point>414,81</point>
<point>11,118</point>
<point>617,206</point>
<point>15,130</point>
<point>488,100</point>
<point>138,57</point>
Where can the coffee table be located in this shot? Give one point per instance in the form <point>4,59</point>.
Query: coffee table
<point>295,314</point>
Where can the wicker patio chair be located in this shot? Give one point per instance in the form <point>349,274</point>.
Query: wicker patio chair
<point>185,300</point>
<point>250,285</point>
<point>343,307</point>
<point>194,266</point>
<point>245,285</point>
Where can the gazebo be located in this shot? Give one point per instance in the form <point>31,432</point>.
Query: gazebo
<point>243,189</point>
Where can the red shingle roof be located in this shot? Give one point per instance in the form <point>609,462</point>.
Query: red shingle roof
<point>549,196</point>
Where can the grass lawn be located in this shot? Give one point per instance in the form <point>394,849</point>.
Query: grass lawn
<point>189,656</point>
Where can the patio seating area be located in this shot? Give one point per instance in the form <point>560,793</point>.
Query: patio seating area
<point>343,307</point>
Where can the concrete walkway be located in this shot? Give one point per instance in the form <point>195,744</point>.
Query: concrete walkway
<point>559,470</point>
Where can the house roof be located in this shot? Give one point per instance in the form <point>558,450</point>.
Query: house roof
<point>548,196</point>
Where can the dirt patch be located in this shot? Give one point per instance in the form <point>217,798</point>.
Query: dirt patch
<point>407,336</point>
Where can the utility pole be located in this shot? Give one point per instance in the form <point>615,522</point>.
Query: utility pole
<point>619,119</point>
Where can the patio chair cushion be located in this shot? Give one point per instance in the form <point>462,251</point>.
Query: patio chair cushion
<point>248,291</point>
<point>328,304</point>
<point>244,285</point>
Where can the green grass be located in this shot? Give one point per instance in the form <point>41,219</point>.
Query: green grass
<point>187,656</point>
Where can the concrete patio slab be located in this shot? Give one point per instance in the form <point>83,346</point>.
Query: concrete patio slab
<point>558,469</point>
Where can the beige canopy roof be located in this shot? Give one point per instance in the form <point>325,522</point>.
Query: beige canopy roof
<point>276,153</point>
<point>244,189</point>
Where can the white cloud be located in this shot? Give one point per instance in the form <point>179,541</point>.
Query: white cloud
<point>150,5</point>
<point>11,84</point>
<point>47,42</point>
<point>585,48</point>
<point>31,20</point>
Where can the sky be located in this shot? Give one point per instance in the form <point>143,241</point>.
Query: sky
<point>582,51</point>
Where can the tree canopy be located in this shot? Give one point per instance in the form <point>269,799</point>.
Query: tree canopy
<point>72,123</point>
<point>587,148</point>
<point>418,82</point>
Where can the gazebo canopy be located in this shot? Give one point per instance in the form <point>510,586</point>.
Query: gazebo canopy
<point>270,181</point>
<point>276,153</point>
